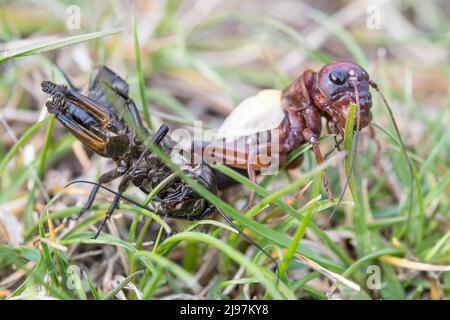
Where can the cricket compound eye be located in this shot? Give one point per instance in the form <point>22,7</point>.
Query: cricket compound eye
<point>337,77</point>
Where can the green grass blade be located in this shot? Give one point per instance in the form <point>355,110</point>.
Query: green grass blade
<point>161,97</point>
<point>418,192</point>
<point>300,231</point>
<point>437,248</point>
<point>341,33</point>
<point>37,276</point>
<point>24,138</point>
<point>267,279</point>
<point>53,44</point>
<point>442,143</point>
<point>27,219</point>
<point>274,24</point>
<point>140,75</point>
<point>238,281</point>
<point>297,214</point>
<point>94,291</point>
<point>210,222</point>
<point>370,257</point>
<point>167,264</point>
<point>78,286</point>
<point>121,285</point>
<point>362,233</point>
<point>107,239</point>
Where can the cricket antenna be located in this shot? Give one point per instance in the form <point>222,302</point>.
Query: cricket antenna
<point>402,144</point>
<point>353,81</point>
<point>69,83</point>
<point>251,241</point>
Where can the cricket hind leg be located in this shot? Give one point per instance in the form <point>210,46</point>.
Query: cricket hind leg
<point>122,187</point>
<point>251,175</point>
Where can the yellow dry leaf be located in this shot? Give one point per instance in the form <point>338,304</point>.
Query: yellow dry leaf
<point>408,264</point>
<point>328,273</point>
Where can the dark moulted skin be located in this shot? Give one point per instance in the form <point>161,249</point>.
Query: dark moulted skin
<point>97,120</point>
<point>99,130</point>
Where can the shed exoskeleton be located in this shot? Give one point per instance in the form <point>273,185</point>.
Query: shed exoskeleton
<point>98,121</point>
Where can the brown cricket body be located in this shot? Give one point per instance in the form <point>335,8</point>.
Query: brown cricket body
<point>302,105</point>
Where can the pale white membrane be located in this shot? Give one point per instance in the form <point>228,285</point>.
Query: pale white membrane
<point>257,113</point>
